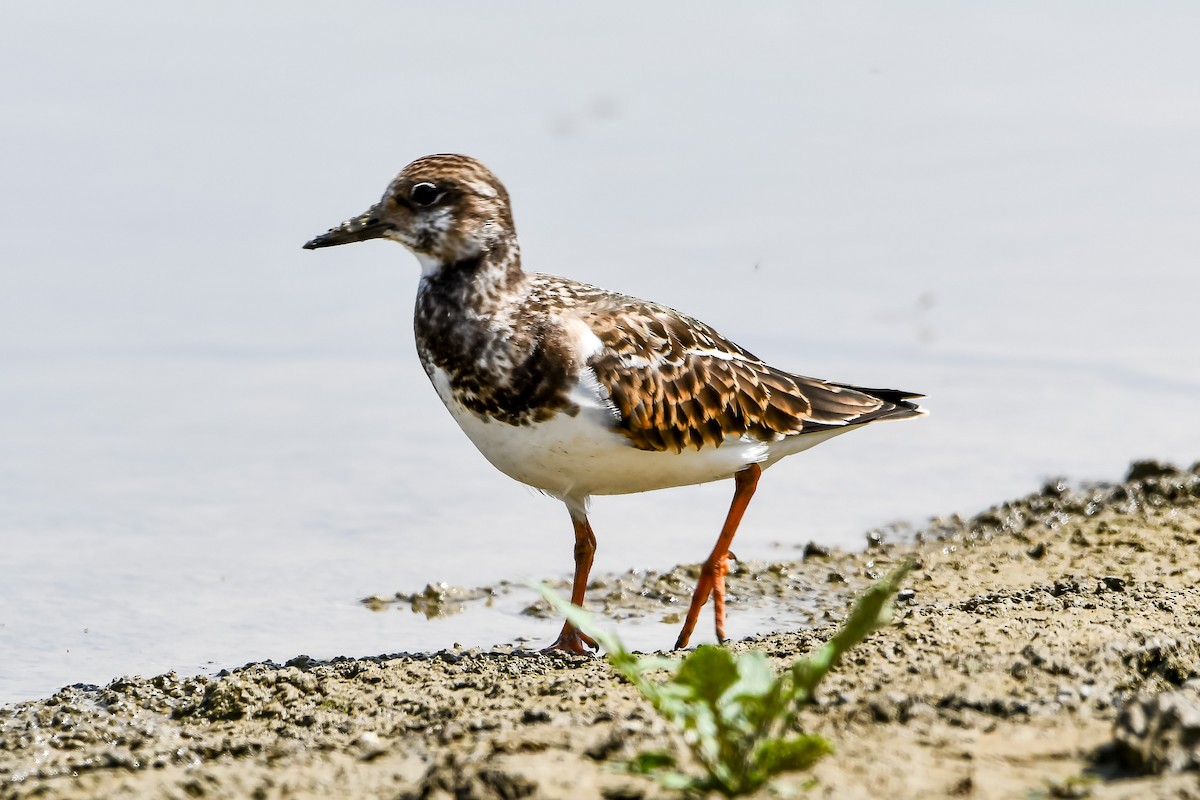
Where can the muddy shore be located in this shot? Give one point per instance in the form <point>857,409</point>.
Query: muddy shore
<point>1048,647</point>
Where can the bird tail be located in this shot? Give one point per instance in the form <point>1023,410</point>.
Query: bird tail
<point>901,403</point>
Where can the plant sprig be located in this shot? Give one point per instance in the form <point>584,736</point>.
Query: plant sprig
<point>733,712</point>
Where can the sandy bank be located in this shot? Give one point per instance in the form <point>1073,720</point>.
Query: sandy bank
<point>1027,644</point>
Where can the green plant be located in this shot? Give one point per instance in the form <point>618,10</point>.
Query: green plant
<point>734,712</point>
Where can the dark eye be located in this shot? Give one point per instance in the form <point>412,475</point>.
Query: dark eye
<point>425,194</point>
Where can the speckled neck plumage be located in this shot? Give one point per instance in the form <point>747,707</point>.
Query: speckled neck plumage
<point>503,363</point>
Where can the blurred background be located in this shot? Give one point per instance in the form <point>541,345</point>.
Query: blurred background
<point>213,443</point>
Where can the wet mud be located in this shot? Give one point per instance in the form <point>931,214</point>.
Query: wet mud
<point>1047,647</point>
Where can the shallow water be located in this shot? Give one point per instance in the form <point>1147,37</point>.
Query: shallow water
<point>213,443</point>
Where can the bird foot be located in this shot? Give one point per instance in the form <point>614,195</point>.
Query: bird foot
<point>573,641</point>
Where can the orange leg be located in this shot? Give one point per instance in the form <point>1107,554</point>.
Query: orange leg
<point>712,574</point>
<point>572,640</point>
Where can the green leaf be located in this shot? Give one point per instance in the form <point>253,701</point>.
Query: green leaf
<point>678,781</point>
<point>659,766</point>
<point>808,672</point>
<point>784,755</point>
<point>709,671</point>
<point>650,762</point>
<point>749,706</point>
<point>756,678</point>
<point>871,612</point>
<point>729,709</point>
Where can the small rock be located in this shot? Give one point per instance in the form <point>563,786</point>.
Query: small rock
<point>1160,734</point>
<point>962,788</point>
<point>452,732</point>
<point>369,746</point>
<point>1141,470</point>
<point>883,709</point>
<point>814,550</point>
<point>889,707</point>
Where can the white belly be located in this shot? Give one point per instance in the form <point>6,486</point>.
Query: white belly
<point>574,457</point>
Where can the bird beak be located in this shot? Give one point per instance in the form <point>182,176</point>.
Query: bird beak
<point>368,225</point>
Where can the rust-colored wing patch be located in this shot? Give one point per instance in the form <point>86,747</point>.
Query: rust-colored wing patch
<point>678,384</point>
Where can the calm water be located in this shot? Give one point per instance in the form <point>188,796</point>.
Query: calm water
<point>212,443</point>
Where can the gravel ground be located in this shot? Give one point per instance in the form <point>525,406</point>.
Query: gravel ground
<point>1048,647</point>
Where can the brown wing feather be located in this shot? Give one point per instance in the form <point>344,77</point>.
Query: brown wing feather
<point>677,383</point>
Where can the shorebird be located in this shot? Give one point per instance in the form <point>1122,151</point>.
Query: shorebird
<point>578,391</point>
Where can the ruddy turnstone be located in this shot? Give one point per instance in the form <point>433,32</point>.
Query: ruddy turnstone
<point>578,391</point>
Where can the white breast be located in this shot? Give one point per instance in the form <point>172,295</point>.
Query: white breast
<point>574,457</point>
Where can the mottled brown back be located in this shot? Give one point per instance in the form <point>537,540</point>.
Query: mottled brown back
<point>678,384</point>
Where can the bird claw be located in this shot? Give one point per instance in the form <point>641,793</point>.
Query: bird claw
<point>573,641</point>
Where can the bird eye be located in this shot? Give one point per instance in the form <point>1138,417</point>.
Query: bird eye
<point>426,194</point>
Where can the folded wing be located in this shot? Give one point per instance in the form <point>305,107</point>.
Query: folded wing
<point>678,384</point>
